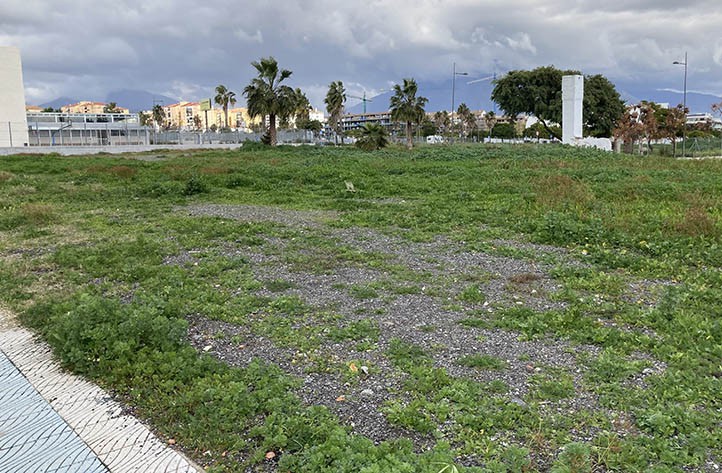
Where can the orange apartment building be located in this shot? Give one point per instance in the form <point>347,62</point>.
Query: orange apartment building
<point>182,115</point>
<point>86,106</point>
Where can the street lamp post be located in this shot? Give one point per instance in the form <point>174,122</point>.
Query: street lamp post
<point>684,104</point>
<point>453,90</point>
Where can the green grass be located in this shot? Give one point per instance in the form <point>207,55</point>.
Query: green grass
<point>85,241</point>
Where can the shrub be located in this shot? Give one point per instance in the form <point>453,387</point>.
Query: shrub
<point>195,185</point>
<point>575,458</point>
<point>373,137</point>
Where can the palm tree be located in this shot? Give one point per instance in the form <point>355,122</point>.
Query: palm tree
<point>335,99</point>
<point>112,107</point>
<point>266,96</point>
<point>466,118</point>
<point>407,107</point>
<point>224,97</point>
<point>373,137</point>
<point>490,121</point>
<point>441,120</point>
<point>302,107</point>
<point>158,116</point>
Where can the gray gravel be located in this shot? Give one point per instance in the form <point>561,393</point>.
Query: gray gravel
<point>428,317</point>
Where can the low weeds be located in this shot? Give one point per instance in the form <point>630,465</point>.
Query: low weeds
<point>141,269</point>
<point>560,191</point>
<point>38,213</point>
<point>698,223</point>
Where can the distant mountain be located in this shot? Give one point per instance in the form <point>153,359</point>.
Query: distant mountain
<point>59,102</point>
<point>477,96</point>
<point>696,102</point>
<point>137,100</point>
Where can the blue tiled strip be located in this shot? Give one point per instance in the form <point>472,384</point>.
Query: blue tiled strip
<point>33,437</point>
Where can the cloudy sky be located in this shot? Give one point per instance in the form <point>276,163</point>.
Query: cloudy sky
<point>184,48</point>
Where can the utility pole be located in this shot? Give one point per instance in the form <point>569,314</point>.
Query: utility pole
<point>453,90</point>
<point>684,104</point>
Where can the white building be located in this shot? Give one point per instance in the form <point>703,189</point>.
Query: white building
<point>316,114</point>
<point>13,123</point>
<point>704,119</point>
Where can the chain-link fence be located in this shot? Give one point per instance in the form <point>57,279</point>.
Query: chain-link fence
<point>694,147</point>
<point>126,133</point>
<point>171,137</point>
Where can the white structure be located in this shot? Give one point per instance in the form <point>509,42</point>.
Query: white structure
<point>316,114</point>
<point>572,101</point>
<point>13,123</point>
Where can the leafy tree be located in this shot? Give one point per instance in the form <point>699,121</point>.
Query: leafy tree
<point>538,131</point>
<point>335,100</point>
<point>505,131</point>
<point>51,110</point>
<point>144,119</point>
<point>111,107</point>
<point>602,106</point>
<point>158,116</point>
<point>648,120</point>
<point>224,98</point>
<point>428,127</point>
<point>266,96</point>
<point>373,137</point>
<point>407,107</point>
<point>629,128</point>
<point>313,125</point>
<point>674,125</point>
<point>539,92</point>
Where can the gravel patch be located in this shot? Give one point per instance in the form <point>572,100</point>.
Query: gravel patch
<point>418,296</point>
<point>257,213</point>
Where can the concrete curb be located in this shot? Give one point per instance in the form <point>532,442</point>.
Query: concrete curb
<point>117,442</point>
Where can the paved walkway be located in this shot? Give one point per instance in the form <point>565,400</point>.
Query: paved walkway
<point>51,421</point>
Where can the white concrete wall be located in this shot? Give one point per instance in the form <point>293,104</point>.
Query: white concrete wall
<point>13,122</point>
<point>572,104</point>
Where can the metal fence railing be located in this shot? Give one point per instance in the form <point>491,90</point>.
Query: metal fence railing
<point>126,133</point>
<point>208,137</point>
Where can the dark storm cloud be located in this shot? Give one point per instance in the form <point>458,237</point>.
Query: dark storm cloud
<point>85,48</point>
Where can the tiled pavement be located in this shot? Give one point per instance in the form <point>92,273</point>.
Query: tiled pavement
<point>51,421</point>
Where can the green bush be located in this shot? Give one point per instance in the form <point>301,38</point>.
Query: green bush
<point>195,185</point>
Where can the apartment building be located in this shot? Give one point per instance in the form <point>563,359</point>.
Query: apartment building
<point>182,115</point>
<point>86,106</point>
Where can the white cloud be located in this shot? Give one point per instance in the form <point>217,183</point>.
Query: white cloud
<point>257,37</point>
<point>77,47</point>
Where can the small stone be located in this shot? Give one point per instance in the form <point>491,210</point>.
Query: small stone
<point>367,393</point>
<point>171,441</point>
<point>207,347</point>
<point>365,369</point>
<point>270,455</point>
<point>519,402</point>
<point>341,398</point>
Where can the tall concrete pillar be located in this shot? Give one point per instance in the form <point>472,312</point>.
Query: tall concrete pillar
<point>13,120</point>
<point>572,104</point>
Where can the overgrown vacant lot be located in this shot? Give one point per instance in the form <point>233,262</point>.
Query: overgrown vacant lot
<point>502,309</point>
